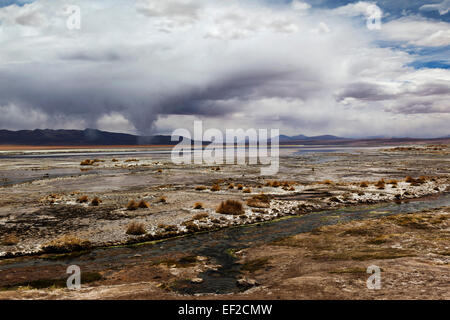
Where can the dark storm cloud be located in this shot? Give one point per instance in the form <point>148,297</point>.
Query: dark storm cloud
<point>94,57</point>
<point>364,91</point>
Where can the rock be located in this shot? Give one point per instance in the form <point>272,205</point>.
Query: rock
<point>196,280</point>
<point>247,283</point>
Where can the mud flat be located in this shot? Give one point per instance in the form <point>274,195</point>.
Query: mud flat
<point>53,220</point>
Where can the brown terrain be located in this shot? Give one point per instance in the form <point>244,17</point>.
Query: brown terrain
<point>109,214</point>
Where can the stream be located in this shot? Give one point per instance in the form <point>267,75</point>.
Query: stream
<point>218,245</point>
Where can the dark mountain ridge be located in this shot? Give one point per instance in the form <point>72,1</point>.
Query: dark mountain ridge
<point>94,137</point>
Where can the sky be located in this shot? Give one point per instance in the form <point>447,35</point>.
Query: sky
<point>304,67</point>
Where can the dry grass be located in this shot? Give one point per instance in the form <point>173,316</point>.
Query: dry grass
<point>10,240</point>
<point>259,201</point>
<point>67,244</point>
<point>169,227</point>
<point>191,226</point>
<point>87,162</point>
<point>132,205</point>
<point>162,199</point>
<point>143,204</point>
<point>287,184</point>
<point>421,179</point>
<point>90,162</point>
<point>96,202</point>
<point>247,190</point>
<point>83,199</point>
<point>215,187</point>
<point>232,207</point>
<point>415,182</point>
<point>380,184</point>
<point>327,182</point>
<point>200,188</point>
<point>409,179</point>
<point>198,205</point>
<point>200,216</point>
<point>136,228</point>
<point>274,184</point>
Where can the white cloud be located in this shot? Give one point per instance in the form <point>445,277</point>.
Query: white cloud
<point>443,7</point>
<point>115,122</point>
<point>300,6</point>
<point>417,31</point>
<point>322,28</point>
<point>354,9</point>
<point>152,66</point>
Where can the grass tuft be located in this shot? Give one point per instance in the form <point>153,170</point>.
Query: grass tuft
<point>198,205</point>
<point>162,199</point>
<point>259,201</point>
<point>136,228</point>
<point>143,204</point>
<point>380,184</point>
<point>232,207</point>
<point>200,216</point>
<point>10,240</point>
<point>83,199</point>
<point>132,205</point>
<point>96,202</point>
<point>364,184</point>
<point>66,244</point>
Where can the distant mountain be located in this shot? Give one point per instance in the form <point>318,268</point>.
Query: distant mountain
<point>88,137</point>
<point>94,137</point>
<point>301,137</point>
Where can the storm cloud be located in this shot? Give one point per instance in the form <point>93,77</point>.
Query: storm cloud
<point>152,66</point>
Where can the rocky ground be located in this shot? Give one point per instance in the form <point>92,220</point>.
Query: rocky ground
<point>411,250</point>
<point>48,214</point>
<point>38,212</point>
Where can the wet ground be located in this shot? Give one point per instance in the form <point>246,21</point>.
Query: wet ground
<point>311,190</point>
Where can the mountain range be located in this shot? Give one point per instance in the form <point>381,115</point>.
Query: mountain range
<point>94,137</point>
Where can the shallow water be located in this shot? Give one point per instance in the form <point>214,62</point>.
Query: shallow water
<point>216,245</point>
<point>12,177</point>
<point>25,172</point>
